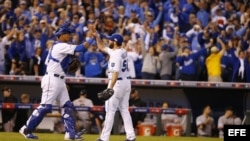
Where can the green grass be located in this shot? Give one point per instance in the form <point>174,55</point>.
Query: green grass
<point>59,137</point>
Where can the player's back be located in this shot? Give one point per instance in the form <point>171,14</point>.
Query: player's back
<point>119,62</point>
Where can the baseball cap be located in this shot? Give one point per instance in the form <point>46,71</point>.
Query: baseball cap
<point>121,7</point>
<point>23,2</point>
<point>41,5</point>
<point>230,27</point>
<point>37,30</point>
<point>90,41</point>
<point>133,10</point>
<point>149,13</point>
<point>229,108</point>
<point>90,22</point>
<point>83,92</point>
<point>130,25</point>
<point>183,35</point>
<point>5,88</point>
<point>22,18</point>
<point>197,26</point>
<point>42,21</point>
<point>165,47</point>
<point>108,0</point>
<point>133,89</point>
<point>115,37</point>
<point>126,32</point>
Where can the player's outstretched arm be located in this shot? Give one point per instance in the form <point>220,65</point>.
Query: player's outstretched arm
<point>83,47</point>
<point>99,41</point>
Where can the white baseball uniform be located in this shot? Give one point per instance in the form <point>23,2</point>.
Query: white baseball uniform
<point>118,62</point>
<point>54,87</point>
<point>84,116</point>
<point>206,130</point>
<point>224,121</point>
<point>53,83</point>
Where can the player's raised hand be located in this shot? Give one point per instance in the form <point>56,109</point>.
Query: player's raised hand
<point>94,33</point>
<point>95,25</point>
<point>93,29</point>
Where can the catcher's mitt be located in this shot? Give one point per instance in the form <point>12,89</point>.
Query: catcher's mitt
<point>74,65</point>
<point>106,94</point>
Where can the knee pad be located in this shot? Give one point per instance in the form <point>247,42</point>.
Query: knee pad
<point>68,109</point>
<point>42,110</point>
<point>45,108</point>
<point>69,105</point>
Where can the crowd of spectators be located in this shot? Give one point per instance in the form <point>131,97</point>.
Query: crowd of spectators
<point>195,40</point>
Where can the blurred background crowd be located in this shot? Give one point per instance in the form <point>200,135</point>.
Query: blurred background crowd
<point>194,40</point>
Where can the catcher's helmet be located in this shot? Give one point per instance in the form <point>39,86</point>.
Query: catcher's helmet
<point>65,29</point>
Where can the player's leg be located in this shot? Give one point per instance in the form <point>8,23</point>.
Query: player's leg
<point>68,115</point>
<point>69,120</point>
<point>86,124</point>
<point>37,116</point>
<point>34,120</point>
<point>48,97</point>
<point>110,108</point>
<point>79,124</point>
<point>123,107</point>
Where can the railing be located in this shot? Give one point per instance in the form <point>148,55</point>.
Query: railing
<point>136,82</point>
<point>154,110</point>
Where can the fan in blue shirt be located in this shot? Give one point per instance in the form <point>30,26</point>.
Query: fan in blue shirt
<point>93,62</point>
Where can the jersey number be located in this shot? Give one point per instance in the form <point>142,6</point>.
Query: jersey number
<point>124,65</point>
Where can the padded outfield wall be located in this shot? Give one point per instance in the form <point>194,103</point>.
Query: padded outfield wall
<point>181,94</point>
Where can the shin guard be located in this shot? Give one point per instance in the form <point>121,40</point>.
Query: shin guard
<point>69,120</point>
<point>37,116</point>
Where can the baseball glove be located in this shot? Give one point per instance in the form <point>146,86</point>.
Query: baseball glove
<point>106,94</point>
<point>74,66</point>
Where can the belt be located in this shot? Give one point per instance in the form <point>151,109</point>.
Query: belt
<point>56,75</point>
<point>120,78</point>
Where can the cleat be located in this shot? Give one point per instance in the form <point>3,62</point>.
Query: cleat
<point>81,132</point>
<point>27,135</point>
<point>31,136</point>
<point>77,136</point>
<point>99,140</point>
<point>130,140</point>
<point>21,131</point>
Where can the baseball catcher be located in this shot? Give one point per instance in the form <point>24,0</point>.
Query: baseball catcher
<point>106,94</point>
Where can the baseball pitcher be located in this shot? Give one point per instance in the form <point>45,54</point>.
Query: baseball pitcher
<point>119,87</point>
